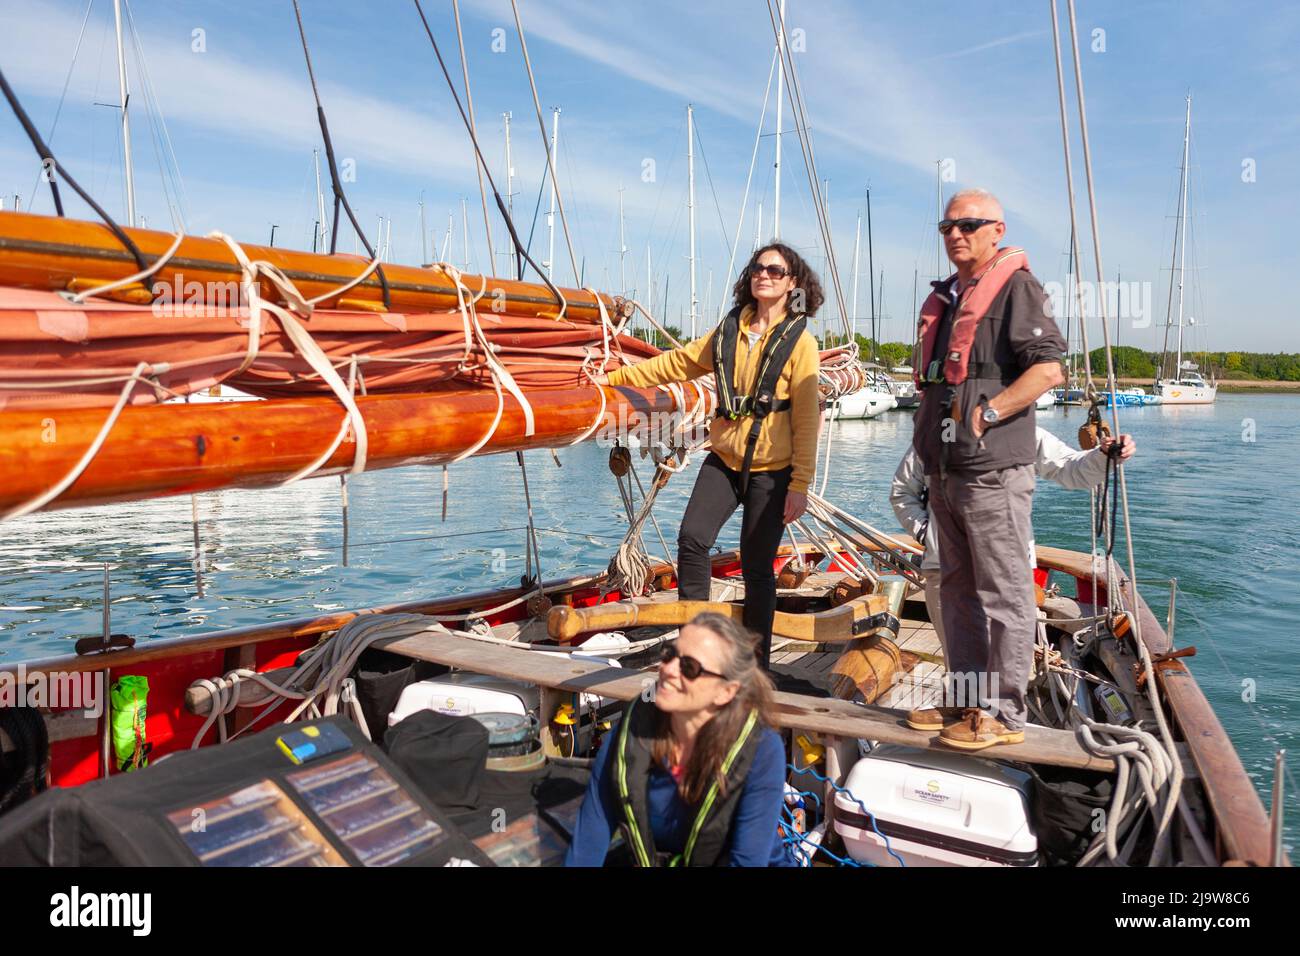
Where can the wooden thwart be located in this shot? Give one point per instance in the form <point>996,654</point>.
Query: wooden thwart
<point>833,626</point>
<point>822,715</point>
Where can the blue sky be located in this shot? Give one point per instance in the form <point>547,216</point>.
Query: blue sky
<point>890,87</point>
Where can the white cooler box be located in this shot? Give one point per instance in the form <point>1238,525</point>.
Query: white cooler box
<point>937,809</point>
<point>463,694</point>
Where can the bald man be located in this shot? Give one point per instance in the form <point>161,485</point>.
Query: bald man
<point>988,347</point>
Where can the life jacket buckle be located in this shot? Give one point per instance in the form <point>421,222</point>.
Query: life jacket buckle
<point>741,407</point>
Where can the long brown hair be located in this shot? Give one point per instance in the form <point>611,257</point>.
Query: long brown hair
<point>804,279</point>
<point>716,737</point>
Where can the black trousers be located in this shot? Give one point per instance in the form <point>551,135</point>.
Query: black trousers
<point>714,499</point>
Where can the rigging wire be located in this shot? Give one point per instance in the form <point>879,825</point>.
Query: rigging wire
<point>541,126</point>
<point>1162,835</point>
<point>799,109</point>
<point>154,112</point>
<point>709,175</point>
<point>339,196</point>
<point>52,169</point>
<point>744,201</point>
<point>469,102</point>
<point>67,81</point>
<point>521,253</point>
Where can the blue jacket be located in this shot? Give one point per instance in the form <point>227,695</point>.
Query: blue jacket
<point>754,838</point>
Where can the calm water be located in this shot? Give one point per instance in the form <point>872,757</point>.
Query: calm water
<point>1213,494</point>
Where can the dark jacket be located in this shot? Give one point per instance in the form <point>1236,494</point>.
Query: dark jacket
<point>1018,331</point>
<point>738,830</point>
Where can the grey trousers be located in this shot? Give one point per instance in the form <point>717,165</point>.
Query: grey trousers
<point>987,592</point>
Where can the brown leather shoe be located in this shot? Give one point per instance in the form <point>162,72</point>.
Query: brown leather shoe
<point>933,718</point>
<point>977,730</point>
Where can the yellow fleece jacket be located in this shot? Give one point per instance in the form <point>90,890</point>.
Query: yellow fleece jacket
<point>786,438</point>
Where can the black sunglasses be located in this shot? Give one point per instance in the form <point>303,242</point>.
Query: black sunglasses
<point>773,271</point>
<point>967,226</point>
<point>691,668</point>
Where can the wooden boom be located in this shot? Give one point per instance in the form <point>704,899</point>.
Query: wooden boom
<point>179,449</point>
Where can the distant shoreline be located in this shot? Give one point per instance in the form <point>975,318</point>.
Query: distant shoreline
<point>1231,385</point>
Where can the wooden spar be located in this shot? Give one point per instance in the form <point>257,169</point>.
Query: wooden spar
<point>54,254</point>
<point>154,451</point>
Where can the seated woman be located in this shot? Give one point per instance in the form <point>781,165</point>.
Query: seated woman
<point>696,776</point>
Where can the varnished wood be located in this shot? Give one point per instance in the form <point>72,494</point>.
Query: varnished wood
<point>833,717</point>
<point>50,253</point>
<point>833,626</point>
<point>181,449</point>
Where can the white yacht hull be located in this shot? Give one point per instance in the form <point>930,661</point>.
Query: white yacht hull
<point>864,403</point>
<point>1176,393</point>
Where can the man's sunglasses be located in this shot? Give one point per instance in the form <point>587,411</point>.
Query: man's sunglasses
<point>773,271</point>
<point>691,668</point>
<point>967,226</point>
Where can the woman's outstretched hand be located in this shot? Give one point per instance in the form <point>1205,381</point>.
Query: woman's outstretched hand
<point>796,503</point>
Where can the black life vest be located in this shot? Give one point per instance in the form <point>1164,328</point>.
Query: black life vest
<point>761,400</point>
<point>633,761</point>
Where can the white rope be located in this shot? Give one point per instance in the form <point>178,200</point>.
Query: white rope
<point>161,261</point>
<point>253,273</point>
<point>41,500</point>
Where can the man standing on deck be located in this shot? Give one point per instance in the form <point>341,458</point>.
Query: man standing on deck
<point>988,349</point>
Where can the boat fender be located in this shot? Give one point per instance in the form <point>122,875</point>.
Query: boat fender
<point>127,711</point>
<point>23,771</point>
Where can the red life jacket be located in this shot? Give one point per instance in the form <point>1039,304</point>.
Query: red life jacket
<point>977,296</point>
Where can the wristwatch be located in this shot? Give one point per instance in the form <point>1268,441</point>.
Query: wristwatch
<point>990,415</point>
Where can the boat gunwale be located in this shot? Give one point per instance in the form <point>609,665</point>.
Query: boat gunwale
<point>1241,823</point>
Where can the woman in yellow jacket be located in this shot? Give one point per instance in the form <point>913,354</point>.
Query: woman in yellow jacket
<point>768,419</point>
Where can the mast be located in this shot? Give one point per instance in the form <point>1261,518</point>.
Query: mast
<point>915,325</point>
<point>780,83</point>
<point>853,307</point>
<point>938,203</point>
<point>622,245</point>
<point>758,227</point>
<point>550,217</point>
<point>1182,239</point>
<point>690,206</point>
<point>1069,302</point>
<point>320,205</point>
<point>871,269</point>
<point>446,240</point>
<point>464,218</point>
<point>649,281</point>
<point>510,170</point>
<point>124,98</point>
<point>424,236</point>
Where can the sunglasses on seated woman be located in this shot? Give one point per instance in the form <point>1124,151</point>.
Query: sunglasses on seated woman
<point>773,271</point>
<point>691,668</point>
<point>967,226</point>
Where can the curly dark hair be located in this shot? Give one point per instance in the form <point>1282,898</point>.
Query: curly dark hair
<point>805,279</point>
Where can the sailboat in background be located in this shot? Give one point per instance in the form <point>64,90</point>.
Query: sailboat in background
<point>1182,383</point>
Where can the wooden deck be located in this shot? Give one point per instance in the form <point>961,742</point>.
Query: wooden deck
<point>798,664</point>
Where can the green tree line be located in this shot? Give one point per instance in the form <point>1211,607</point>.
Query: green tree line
<point>1131,362</point>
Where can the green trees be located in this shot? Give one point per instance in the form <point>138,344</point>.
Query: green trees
<point>1131,362</point>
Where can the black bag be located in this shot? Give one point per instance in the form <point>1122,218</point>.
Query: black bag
<point>1063,810</point>
<point>445,756</point>
<point>380,677</point>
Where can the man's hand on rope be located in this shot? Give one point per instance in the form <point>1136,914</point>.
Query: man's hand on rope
<point>796,503</point>
<point>1127,446</point>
